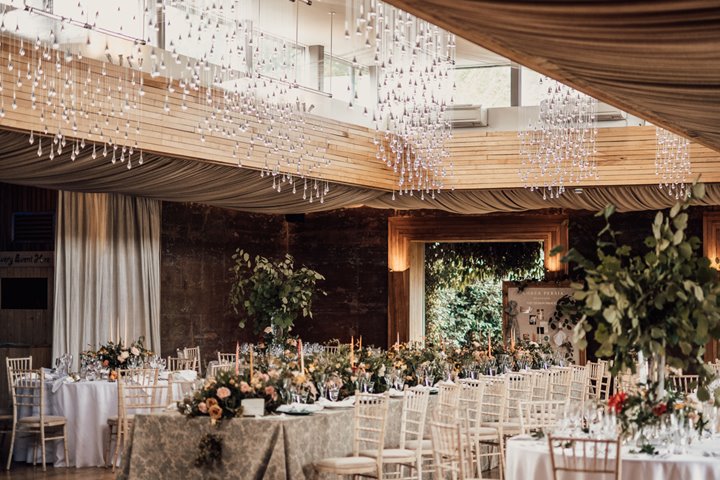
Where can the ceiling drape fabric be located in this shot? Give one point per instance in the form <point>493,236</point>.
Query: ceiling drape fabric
<point>107,271</point>
<point>657,59</point>
<point>164,178</point>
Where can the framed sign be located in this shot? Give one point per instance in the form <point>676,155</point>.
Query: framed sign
<point>530,312</point>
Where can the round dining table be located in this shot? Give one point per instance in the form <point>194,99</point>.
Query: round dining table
<point>527,458</point>
<point>86,406</point>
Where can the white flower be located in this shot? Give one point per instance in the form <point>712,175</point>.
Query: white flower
<point>135,351</point>
<point>123,356</point>
<point>268,330</point>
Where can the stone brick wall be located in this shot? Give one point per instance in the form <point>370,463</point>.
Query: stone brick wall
<point>348,246</point>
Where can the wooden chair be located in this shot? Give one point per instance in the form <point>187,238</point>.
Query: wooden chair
<point>579,375</point>
<point>28,393</point>
<point>492,414</point>
<point>478,435</point>
<point>683,383</point>
<point>597,459</point>
<point>143,379</point>
<point>448,406</point>
<point>540,384</point>
<point>370,418</point>
<point>626,382</point>
<point>331,349</point>
<point>175,364</point>
<point>596,374</point>
<point>215,368</point>
<point>451,455</point>
<point>226,358</point>
<point>605,381</point>
<point>179,387</point>
<point>536,415</point>
<point>6,420</point>
<point>559,383</point>
<point>519,389</point>
<point>194,352</point>
<point>410,452</point>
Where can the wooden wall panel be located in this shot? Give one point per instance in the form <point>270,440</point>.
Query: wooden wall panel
<point>481,159</point>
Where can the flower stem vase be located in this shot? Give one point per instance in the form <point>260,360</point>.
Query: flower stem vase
<point>657,373</point>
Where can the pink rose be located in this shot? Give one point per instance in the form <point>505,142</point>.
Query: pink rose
<point>223,392</point>
<point>244,387</point>
<point>202,406</point>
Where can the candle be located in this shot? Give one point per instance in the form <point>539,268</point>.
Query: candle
<point>397,341</point>
<point>252,351</point>
<point>512,340</point>
<point>301,356</point>
<point>352,351</point>
<point>360,344</point>
<point>237,358</point>
<point>489,346</point>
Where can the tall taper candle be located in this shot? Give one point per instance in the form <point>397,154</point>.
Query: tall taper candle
<point>352,351</point>
<point>252,351</point>
<point>237,358</point>
<point>302,356</point>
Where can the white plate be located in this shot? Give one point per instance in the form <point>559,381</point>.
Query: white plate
<point>342,404</point>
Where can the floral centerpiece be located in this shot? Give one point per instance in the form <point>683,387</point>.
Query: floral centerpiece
<point>645,408</point>
<point>221,398</point>
<point>113,355</point>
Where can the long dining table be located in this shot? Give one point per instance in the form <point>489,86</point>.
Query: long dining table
<point>274,446</point>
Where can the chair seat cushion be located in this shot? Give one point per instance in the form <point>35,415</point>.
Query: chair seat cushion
<point>346,465</point>
<point>425,445</point>
<point>484,432</point>
<point>50,420</point>
<point>391,455</point>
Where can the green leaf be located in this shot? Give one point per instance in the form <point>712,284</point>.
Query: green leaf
<point>698,191</point>
<point>675,210</point>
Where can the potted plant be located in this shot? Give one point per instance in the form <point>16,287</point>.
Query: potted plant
<point>662,301</point>
<point>273,293</point>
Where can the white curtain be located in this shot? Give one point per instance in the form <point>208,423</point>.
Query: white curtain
<point>107,271</point>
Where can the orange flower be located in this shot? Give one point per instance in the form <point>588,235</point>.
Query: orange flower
<point>215,412</point>
<point>211,402</point>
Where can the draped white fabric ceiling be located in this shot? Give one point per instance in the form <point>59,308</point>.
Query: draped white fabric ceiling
<point>179,180</point>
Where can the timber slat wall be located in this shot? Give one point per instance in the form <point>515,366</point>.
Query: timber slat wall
<point>481,160</point>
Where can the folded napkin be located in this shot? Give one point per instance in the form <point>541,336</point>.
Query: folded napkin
<point>349,402</point>
<point>395,393</point>
<point>57,383</point>
<point>300,408</point>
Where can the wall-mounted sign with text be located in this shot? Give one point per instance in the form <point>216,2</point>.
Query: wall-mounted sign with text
<point>26,259</point>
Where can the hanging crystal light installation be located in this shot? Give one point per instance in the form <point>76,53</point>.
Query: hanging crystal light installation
<point>244,83</point>
<point>414,62</point>
<point>559,148</point>
<point>672,163</point>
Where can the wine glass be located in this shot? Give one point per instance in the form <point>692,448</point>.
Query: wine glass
<point>333,390</point>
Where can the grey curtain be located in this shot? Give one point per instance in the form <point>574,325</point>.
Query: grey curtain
<point>107,271</point>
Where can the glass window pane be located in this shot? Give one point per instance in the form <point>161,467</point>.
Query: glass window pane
<point>486,86</point>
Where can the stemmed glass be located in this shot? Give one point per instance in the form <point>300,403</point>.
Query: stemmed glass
<point>333,390</point>
<point>322,379</point>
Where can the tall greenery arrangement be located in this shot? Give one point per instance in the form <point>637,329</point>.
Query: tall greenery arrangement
<point>662,301</point>
<point>273,293</point>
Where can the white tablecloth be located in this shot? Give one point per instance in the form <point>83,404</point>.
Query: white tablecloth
<point>87,407</point>
<point>530,459</point>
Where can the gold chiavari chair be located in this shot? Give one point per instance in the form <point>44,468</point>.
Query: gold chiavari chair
<point>536,415</point>
<point>131,382</point>
<point>175,364</point>
<point>451,451</point>
<point>194,352</point>
<point>683,383</point>
<point>585,458</point>
<point>409,454</point>
<point>226,358</point>
<point>370,418</point>
<point>28,394</point>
